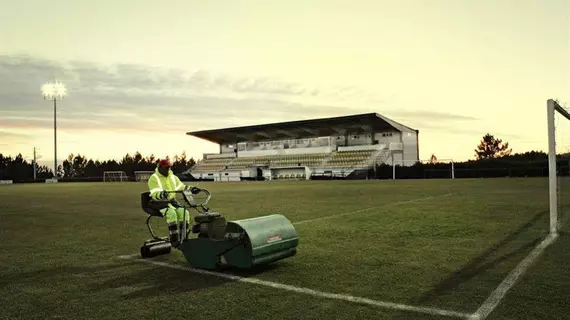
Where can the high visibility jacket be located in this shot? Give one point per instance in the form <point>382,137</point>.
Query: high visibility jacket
<point>158,183</point>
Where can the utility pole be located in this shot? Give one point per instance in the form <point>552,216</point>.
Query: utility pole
<point>35,163</point>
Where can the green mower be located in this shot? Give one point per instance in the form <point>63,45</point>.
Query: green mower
<point>216,243</point>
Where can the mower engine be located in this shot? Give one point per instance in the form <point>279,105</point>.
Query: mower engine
<point>209,225</point>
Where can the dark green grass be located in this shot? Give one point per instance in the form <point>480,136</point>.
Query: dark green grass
<point>440,243</point>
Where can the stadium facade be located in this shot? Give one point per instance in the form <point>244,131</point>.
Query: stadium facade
<point>347,146</point>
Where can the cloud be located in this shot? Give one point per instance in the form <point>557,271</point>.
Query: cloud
<point>126,113</point>
<point>128,97</point>
<point>26,74</point>
<point>6,135</point>
<point>13,134</point>
<point>429,115</point>
<point>8,139</point>
<point>136,97</point>
<point>433,121</point>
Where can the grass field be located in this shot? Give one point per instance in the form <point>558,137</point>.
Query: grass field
<point>444,244</point>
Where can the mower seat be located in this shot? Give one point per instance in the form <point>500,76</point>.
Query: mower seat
<point>145,199</point>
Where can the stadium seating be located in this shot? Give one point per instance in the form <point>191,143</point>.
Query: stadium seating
<point>209,165</point>
<point>309,160</point>
<point>330,160</point>
<point>350,158</point>
<point>293,175</point>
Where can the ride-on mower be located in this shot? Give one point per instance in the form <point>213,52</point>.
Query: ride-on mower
<point>216,243</point>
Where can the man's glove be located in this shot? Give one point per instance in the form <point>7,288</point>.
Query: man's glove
<point>193,190</point>
<point>163,195</point>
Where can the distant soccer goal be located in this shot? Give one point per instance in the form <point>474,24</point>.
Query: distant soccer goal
<point>558,119</point>
<point>143,175</point>
<point>112,176</point>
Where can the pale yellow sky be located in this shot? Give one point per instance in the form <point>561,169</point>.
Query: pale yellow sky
<point>142,73</point>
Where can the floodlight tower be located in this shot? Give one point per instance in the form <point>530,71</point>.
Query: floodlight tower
<point>54,91</point>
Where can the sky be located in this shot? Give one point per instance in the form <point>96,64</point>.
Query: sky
<point>140,74</point>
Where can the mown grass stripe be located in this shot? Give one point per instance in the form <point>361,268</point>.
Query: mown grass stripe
<point>391,204</point>
<point>321,294</point>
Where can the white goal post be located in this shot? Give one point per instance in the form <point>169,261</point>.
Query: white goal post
<point>143,175</point>
<point>110,176</point>
<point>554,109</point>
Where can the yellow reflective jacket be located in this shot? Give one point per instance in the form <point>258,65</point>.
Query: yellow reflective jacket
<point>158,183</point>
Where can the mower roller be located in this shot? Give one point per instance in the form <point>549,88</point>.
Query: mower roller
<point>216,243</point>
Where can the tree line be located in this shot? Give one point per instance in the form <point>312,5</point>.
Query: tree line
<point>79,167</point>
<point>527,164</point>
<point>493,158</point>
<point>18,169</point>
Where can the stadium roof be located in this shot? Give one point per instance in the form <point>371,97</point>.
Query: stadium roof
<point>352,124</point>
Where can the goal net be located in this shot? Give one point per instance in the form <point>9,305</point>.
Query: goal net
<point>143,175</point>
<point>558,164</point>
<point>111,176</point>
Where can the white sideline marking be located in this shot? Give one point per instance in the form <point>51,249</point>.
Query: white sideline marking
<point>382,304</point>
<point>499,293</point>
<point>370,208</point>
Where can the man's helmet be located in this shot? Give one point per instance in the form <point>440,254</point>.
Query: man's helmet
<point>165,163</point>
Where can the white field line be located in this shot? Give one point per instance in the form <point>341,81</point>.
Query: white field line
<point>371,208</point>
<point>321,294</point>
<point>499,293</point>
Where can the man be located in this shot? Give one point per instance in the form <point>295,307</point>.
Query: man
<point>160,182</point>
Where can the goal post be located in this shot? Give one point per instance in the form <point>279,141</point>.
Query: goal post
<point>143,175</point>
<point>111,176</point>
<point>557,178</point>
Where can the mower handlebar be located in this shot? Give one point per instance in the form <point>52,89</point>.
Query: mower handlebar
<point>183,192</point>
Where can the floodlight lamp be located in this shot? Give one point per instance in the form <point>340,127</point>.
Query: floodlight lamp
<point>54,90</point>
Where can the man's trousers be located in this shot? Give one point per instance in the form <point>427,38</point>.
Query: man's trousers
<point>174,218</point>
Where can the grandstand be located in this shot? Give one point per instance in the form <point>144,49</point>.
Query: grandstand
<point>346,147</point>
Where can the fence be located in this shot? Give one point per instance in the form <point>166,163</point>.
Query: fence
<point>474,169</point>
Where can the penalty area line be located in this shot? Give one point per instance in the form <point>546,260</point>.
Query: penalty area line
<point>499,293</point>
<point>321,294</point>
<point>371,208</point>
